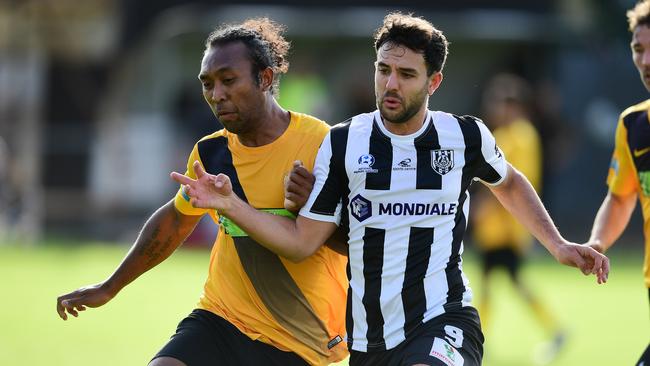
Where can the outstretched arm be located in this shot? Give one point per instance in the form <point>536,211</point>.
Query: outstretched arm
<point>165,230</point>
<point>294,240</point>
<point>612,218</point>
<point>517,195</point>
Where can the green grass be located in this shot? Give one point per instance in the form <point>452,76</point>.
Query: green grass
<point>607,325</point>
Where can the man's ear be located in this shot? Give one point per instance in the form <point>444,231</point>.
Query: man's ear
<point>266,79</point>
<point>434,83</point>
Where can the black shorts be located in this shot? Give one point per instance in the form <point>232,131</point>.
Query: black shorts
<point>506,258</point>
<point>442,341</point>
<point>205,339</point>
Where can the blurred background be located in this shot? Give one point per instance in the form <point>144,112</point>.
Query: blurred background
<point>99,101</point>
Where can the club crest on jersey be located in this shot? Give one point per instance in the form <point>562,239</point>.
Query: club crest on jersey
<point>366,161</point>
<point>442,161</point>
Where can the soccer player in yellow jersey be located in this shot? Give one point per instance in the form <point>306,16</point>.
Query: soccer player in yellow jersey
<point>502,240</point>
<point>629,172</point>
<point>256,308</point>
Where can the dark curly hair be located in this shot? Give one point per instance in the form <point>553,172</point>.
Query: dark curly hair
<point>418,35</point>
<point>639,15</point>
<point>265,43</point>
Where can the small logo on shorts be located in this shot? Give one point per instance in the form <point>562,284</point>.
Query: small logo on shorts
<point>446,353</point>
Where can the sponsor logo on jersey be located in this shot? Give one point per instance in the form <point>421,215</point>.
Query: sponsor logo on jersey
<point>417,209</point>
<point>334,341</point>
<point>366,161</point>
<point>639,152</point>
<point>360,208</point>
<point>497,151</point>
<point>405,164</point>
<point>442,161</point>
<point>644,180</point>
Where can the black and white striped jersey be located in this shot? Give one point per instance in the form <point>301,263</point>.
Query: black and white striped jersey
<point>405,203</point>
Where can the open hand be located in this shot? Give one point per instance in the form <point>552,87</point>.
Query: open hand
<point>207,190</point>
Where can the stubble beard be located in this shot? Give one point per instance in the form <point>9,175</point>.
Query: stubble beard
<point>409,109</point>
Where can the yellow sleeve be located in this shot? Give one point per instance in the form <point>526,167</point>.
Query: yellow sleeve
<point>182,201</point>
<point>621,177</point>
<point>320,131</point>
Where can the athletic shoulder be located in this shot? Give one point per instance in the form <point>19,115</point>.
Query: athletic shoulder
<point>462,119</point>
<point>308,124</point>
<point>639,107</point>
<point>215,135</point>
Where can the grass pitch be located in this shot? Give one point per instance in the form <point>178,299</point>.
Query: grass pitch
<point>607,325</point>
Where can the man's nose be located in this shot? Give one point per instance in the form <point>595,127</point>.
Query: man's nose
<point>391,82</point>
<point>218,94</point>
<point>645,58</point>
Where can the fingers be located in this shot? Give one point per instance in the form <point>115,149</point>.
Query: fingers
<point>300,181</point>
<point>181,179</point>
<point>595,263</point>
<point>223,181</point>
<point>71,305</point>
<point>302,189</point>
<point>597,260</point>
<point>605,271</point>
<point>580,262</point>
<point>60,309</point>
<point>601,268</point>
<point>300,174</point>
<point>198,169</point>
<point>298,185</point>
<point>297,194</point>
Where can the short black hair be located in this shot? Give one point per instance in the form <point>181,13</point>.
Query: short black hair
<point>418,35</point>
<point>265,42</point>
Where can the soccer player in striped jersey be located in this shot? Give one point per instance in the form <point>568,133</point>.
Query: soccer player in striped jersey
<point>256,308</point>
<point>629,171</point>
<point>396,179</point>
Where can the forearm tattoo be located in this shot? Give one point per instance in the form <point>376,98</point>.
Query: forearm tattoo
<point>153,247</point>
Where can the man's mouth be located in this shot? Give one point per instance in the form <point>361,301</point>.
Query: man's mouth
<point>392,102</point>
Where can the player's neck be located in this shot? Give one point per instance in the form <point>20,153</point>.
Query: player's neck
<point>270,124</point>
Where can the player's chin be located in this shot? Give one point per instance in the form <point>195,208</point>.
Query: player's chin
<point>392,115</point>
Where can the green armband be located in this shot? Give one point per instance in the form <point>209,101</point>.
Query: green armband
<point>235,231</point>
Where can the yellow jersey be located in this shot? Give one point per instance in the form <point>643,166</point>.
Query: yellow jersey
<point>629,171</point>
<point>294,307</point>
<point>494,227</point>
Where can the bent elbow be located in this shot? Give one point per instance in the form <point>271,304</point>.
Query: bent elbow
<point>305,251</point>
